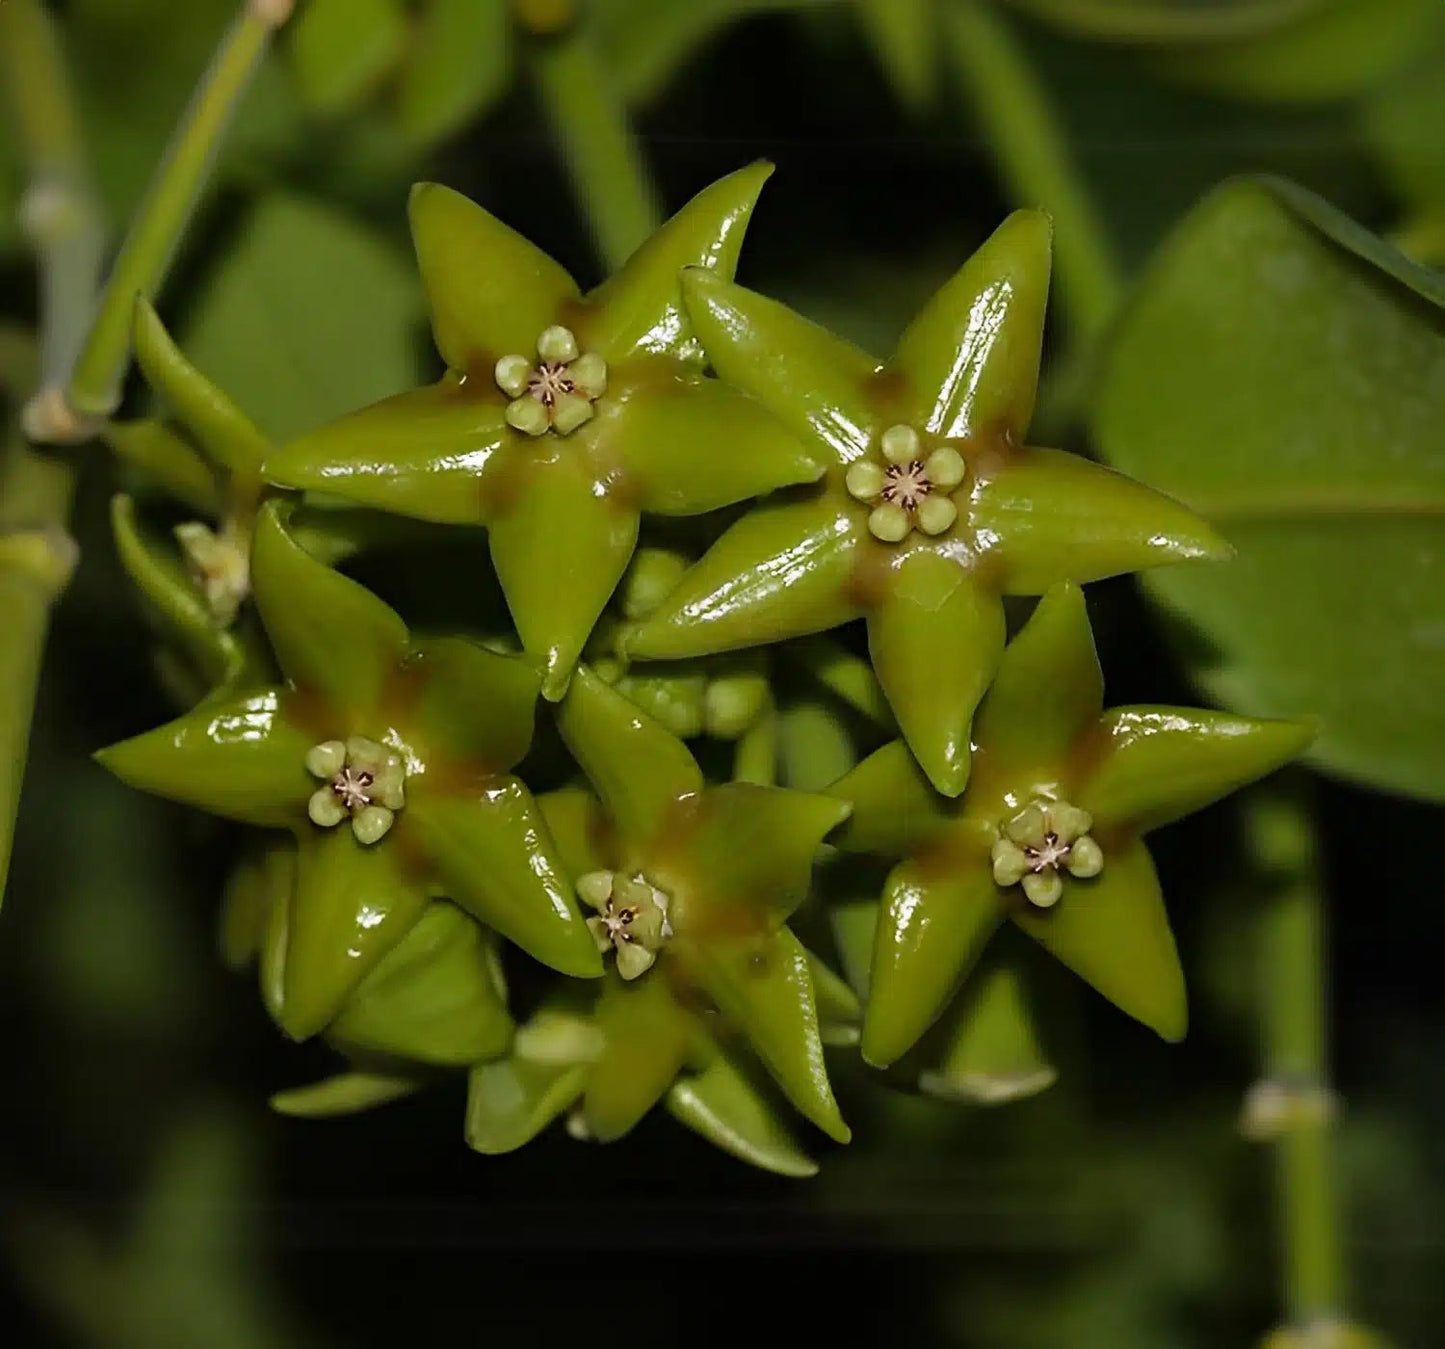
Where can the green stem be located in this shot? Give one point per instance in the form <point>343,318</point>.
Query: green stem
<point>602,154</point>
<point>1028,142</point>
<point>1294,1003</point>
<point>161,219</point>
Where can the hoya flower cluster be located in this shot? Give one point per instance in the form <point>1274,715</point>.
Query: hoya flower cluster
<point>399,861</point>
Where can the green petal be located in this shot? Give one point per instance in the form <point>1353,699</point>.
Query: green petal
<point>842,673</point>
<point>498,862</point>
<point>935,642</point>
<point>331,635</point>
<point>436,997</point>
<point>166,459</point>
<point>839,1011</point>
<point>972,355</point>
<point>723,1105</point>
<point>640,308</point>
<point>992,1054</point>
<point>183,614</point>
<point>423,453</point>
<point>1113,932</point>
<point>932,925</point>
<point>755,846</point>
<point>345,1094</point>
<point>1161,763</point>
<point>351,906</point>
<point>261,880</point>
<point>816,384</point>
<point>271,967</point>
<point>474,709</point>
<point>647,1036</point>
<point>640,771</point>
<point>764,988</point>
<point>560,547</point>
<point>490,291</point>
<point>693,445</point>
<point>1049,687</point>
<point>224,432</point>
<point>784,570</point>
<point>578,827</point>
<point>1056,517</point>
<point>896,812</point>
<point>510,1102</point>
<point>854,924</point>
<point>238,758</point>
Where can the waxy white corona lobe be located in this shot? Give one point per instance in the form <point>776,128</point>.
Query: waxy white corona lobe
<point>911,491</point>
<point>557,390</point>
<point>1042,838</point>
<point>363,781</point>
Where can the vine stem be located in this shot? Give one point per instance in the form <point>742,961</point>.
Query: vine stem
<point>603,157</point>
<point>1292,1106</point>
<point>1024,132</point>
<point>81,361</point>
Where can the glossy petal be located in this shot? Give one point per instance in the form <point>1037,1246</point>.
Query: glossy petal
<point>972,355</point>
<point>490,292</point>
<point>640,771</point>
<point>896,812</point>
<point>238,758</point>
<point>764,988</point>
<point>815,383</point>
<point>473,707</point>
<point>727,1108</point>
<point>331,635</point>
<point>935,643</point>
<point>1113,932</point>
<point>163,456</point>
<point>693,445</point>
<point>345,1094</point>
<point>184,616</point>
<point>784,570</point>
<point>839,1011</point>
<point>511,1101</point>
<point>1161,763</point>
<point>992,1053</point>
<point>931,928</point>
<point>560,546</point>
<point>578,827</point>
<point>1048,516</point>
<point>423,453</point>
<point>436,997</point>
<point>229,437</point>
<point>1048,687</point>
<point>640,308</point>
<point>646,1040</point>
<point>351,906</point>
<point>496,859</point>
<point>755,846</point>
<point>271,966</point>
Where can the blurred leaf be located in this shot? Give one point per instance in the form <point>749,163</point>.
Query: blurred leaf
<point>340,50</point>
<point>307,316</point>
<point>1168,21</point>
<point>1405,123</point>
<point>1333,50</point>
<point>457,67</point>
<point>1283,372</point>
<point>904,38</point>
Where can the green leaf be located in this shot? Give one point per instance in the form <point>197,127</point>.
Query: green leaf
<point>1270,374</point>
<point>457,66</point>
<point>308,316</point>
<point>238,758</point>
<point>436,997</point>
<point>341,50</point>
<point>641,771</point>
<point>497,861</point>
<point>331,635</point>
<point>723,1105</point>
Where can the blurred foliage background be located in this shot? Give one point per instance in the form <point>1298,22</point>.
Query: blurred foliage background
<point>1266,361</point>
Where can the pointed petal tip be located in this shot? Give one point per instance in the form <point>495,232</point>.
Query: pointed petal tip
<point>948,774</point>
<point>555,678</point>
<point>838,1131</point>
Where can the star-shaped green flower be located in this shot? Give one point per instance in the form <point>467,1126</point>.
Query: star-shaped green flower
<point>1048,832</point>
<point>562,417</point>
<point>690,886</point>
<point>389,760</point>
<point>932,508</point>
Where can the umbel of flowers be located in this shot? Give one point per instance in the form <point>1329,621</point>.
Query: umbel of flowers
<point>396,864</point>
